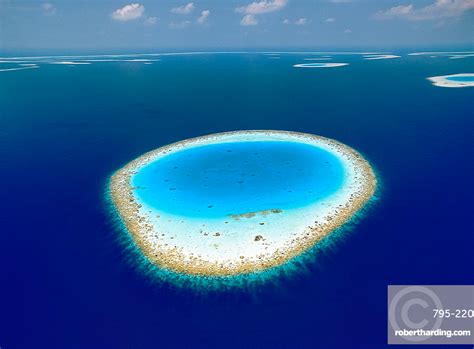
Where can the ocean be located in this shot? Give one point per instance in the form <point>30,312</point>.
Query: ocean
<point>68,282</point>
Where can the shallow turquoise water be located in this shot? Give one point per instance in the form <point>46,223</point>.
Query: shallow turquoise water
<point>468,78</point>
<point>314,64</point>
<point>233,178</point>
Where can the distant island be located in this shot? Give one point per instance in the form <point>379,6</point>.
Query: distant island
<point>455,80</point>
<point>320,65</point>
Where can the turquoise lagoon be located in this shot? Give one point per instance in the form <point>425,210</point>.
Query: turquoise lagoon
<point>461,78</point>
<point>218,180</point>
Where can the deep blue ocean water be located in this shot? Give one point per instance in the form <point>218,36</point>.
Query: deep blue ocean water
<point>218,180</point>
<point>67,283</point>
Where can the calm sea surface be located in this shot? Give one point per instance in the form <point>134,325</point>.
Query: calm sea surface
<point>65,280</point>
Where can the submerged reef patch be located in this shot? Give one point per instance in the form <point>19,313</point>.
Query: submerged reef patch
<point>21,67</point>
<point>70,63</point>
<point>377,57</point>
<point>238,203</point>
<point>320,65</point>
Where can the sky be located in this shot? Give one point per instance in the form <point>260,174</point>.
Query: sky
<point>163,24</point>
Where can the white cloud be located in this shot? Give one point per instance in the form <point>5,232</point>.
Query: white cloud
<point>249,20</point>
<point>258,8</point>
<point>183,10</point>
<point>393,12</point>
<point>301,21</point>
<point>347,31</point>
<point>48,9</point>
<point>437,10</point>
<point>265,6</point>
<point>204,17</point>
<point>180,25</point>
<point>151,21</point>
<point>330,20</point>
<point>128,12</point>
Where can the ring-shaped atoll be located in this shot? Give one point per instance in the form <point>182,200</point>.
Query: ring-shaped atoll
<point>320,65</point>
<point>239,202</point>
<point>455,80</point>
